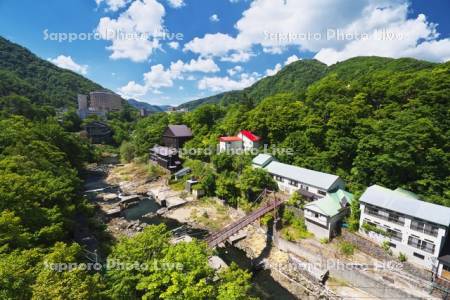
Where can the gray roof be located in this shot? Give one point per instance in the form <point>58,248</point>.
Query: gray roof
<point>262,159</point>
<point>180,130</point>
<point>310,177</point>
<point>183,172</point>
<point>406,204</point>
<point>165,151</point>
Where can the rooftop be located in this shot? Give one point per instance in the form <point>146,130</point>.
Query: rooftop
<point>262,159</point>
<point>314,178</point>
<point>330,205</point>
<point>180,130</point>
<point>407,204</point>
<point>230,139</point>
<point>250,135</point>
<point>164,151</point>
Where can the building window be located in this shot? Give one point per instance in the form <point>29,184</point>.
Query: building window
<point>392,245</point>
<point>293,183</point>
<point>304,187</point>
<point>425,227</point>
<point>394,234</point>
<point>419,255</point>
<point>426,246</point>
<point>316,215</point>
<point>278,178</point>
<point>384,214</point>
<point>321,192</point>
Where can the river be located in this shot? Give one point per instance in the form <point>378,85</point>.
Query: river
<point>264,286</point>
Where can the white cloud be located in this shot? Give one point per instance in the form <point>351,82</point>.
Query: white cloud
<point>174,45</point>
<point>240,56</point>
<point>113,5</point>
<point>234,70</point>
<point>66,62</point>
<point>409,38</point>
<point>176,3</point>
<point>309,25</point>
<point>181,88</point>
<point>143,18</point>
<point>291,59</point>
<point>132,90</point>
<point>205,65</point>
<point>221,84</point>
<point>275,70</point>
<point>160,77</point>
<point>215,44</point>
<point>214,18</point>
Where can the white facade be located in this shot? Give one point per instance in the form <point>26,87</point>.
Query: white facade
<point>317,223</point>
<point>290,186</point>
<point>225,146</point>
<point>247,144</point>
<point>419,240</point>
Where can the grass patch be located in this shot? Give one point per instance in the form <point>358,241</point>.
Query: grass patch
<point>177,185</point>
<point>294,228</point>
<point>293,233</point>
<point>346,248</point>
<point>215,218</point>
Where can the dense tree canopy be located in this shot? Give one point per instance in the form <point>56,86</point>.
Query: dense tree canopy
<point>370,120</point>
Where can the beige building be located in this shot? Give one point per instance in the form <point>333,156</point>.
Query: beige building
<point>98,103</point>
<point>104,100</point>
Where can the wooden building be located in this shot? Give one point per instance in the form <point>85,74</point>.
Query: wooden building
<point>176,135</point>
<point>166,157</point>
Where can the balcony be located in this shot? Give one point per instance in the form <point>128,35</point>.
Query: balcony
<point>429,231</point>
<point>394,235</point>
<point>388,217</point>
<point>422,245</point>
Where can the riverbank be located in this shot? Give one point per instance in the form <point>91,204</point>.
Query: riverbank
<point>199,217</point>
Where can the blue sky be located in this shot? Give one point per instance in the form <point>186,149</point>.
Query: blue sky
<point>221,44</point>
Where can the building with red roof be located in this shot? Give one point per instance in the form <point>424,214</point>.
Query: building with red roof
<point>244,140</point>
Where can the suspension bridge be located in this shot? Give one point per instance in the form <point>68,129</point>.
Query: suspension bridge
<point>219,237</point>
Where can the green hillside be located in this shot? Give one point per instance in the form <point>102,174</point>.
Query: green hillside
<point>25,74</point>
<point>295,78</point>
<point>298,76</point>
<point>371,120</point>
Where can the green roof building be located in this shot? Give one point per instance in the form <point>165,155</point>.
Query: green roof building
<point>323,217</point>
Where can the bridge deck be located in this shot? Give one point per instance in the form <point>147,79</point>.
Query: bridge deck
<point>216,238</point>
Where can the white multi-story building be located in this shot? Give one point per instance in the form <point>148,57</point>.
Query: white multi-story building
<point>309,183</point>
<point>416,228</point>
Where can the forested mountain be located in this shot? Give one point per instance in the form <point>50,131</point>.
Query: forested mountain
<point>25,74</point>
<point>294,78</point>
<point>149,107</point>
<point>371,120</point>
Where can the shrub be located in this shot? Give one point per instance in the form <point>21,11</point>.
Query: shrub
<point>346,248</point>
<point>367,227</point>
<point>386,247</point>
<point>127,152</point>
<point>324,240</point>
<point>402,257</point>
<point>266,219</point>
<point>296,200</point>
